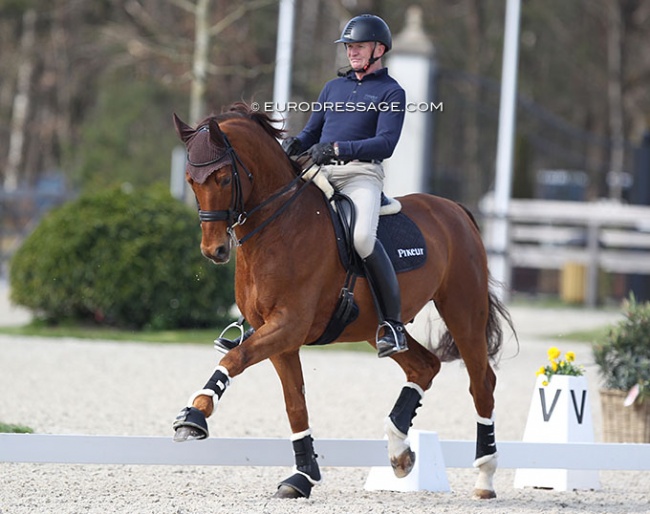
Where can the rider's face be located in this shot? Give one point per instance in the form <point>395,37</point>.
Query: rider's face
<point>359,53</point>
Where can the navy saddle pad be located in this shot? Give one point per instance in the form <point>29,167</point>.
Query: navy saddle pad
<point>401,237</point>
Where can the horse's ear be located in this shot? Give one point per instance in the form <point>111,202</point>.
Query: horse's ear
<point>216,135</point>
<point>183,130</point>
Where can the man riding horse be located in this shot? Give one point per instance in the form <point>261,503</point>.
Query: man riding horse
<point>357,126</point>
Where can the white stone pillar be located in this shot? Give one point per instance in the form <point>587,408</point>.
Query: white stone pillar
<point>411,62</point>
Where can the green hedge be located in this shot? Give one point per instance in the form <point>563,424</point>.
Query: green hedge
<point>122,258</point>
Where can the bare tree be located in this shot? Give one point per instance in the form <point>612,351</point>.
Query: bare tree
<point>21,101</point>
<point>204,33</point>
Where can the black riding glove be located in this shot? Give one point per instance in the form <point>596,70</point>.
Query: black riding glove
<point>322,153</point>
<point>292,146</point>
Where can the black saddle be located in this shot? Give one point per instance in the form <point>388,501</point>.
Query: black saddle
<point>404,244</point>
<point>400,236</point>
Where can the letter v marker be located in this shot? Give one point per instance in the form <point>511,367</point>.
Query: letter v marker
<point>542,396</point>
<point>579,412</point>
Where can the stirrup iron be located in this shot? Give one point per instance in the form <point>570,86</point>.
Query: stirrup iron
<point>387,349</point>
<point>223,344</point>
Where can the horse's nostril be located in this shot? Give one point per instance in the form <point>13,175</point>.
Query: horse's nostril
<point>223,252</point>
<point>219,255</point>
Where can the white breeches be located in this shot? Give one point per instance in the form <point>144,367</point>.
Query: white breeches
<point>363,183</point>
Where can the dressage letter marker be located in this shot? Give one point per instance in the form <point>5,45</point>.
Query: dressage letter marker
<point>559,413</point>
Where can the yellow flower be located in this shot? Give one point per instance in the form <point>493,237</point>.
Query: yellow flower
<point>545,383</point>
<point>559,366</point>
<point>553,353</point>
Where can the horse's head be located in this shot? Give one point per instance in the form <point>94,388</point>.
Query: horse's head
<point>220,176</point>
<point>213,173</point>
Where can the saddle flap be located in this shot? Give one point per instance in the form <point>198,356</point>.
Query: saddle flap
<point>400,236</point>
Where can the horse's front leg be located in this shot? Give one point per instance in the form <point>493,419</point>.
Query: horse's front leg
<point>306,471</point>
<point>191,422</point>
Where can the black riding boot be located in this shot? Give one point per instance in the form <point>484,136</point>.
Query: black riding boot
<point>385,289</point>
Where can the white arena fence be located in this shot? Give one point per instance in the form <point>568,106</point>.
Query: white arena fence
<point>145,450</point>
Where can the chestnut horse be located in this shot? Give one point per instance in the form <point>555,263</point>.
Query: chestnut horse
<point>288,279</point>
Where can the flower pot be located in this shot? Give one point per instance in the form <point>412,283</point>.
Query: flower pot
<point>623,424</point>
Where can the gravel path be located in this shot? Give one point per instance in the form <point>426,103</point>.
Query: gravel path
<point>70,386</point>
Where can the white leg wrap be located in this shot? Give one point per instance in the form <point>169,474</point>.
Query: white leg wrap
<point>311,480</point>
<point>202,392</point>
<point>396,440</point>
<point>413,385</point>
<point>225,372</point>
<point>485,421</point>
<point>300,435</point>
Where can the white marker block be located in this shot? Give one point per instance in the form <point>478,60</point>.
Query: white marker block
<point>559,413</point>
<point>428,474</point>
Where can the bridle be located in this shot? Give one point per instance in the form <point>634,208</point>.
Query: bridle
<point>236,215</point>
<point>236,209</point>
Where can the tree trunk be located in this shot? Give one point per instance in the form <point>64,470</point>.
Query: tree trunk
<point>21,102</point>
<point>200,60</point>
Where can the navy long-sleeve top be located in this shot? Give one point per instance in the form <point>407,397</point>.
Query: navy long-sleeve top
<point>364,117</point>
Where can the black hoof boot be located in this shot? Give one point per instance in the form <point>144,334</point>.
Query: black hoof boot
<point>190,424</point>
<point>393,341</point>
<point>299,485</point>
<point>296,486</point>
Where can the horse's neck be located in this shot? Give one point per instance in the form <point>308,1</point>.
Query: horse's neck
<point>271,176</point>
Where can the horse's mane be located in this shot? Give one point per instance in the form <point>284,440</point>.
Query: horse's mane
<point>244,110</point>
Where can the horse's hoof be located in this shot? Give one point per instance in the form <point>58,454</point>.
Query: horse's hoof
<point>484,494</point>
<point>186,433</point>
<point>296,486</point>
<point>190,424</point>
<point>287,492</point>
<point>403,464</point>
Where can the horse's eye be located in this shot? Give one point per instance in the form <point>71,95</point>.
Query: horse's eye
<point>225,181</point>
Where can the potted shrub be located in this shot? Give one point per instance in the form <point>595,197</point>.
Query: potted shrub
<point>623,358</point>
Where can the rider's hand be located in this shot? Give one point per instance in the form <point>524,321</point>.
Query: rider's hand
<point>322,153</point>
<point>292,146</point>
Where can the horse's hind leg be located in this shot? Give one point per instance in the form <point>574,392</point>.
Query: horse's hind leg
<point>307,472</point>
<point>420,367</point>
<point>486,448</point>
<point>467,324</point>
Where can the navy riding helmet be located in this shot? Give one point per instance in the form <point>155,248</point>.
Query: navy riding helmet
<point>366,27</point>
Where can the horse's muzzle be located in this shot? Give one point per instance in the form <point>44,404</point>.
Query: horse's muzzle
<point>219,255</point>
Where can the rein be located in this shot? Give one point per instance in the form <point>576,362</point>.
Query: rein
<point>236,215</point>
